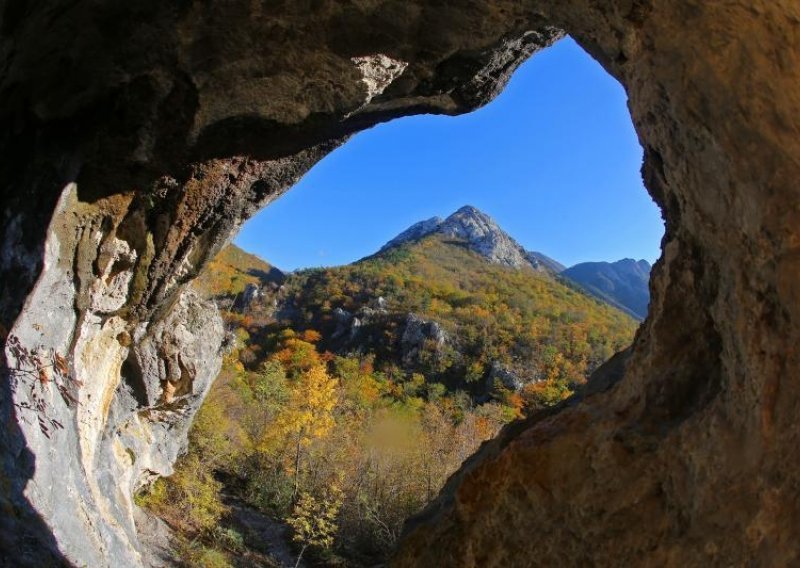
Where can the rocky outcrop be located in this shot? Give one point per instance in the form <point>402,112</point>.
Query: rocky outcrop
<point>134,149</point>
<point>349,325</point>
<point>420,335</point>
<point>104,406</point>
<point>252,293</point>
<point>506,377</point>
<point>415,232</point>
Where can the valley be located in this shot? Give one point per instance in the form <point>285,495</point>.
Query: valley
<point>350,394</point>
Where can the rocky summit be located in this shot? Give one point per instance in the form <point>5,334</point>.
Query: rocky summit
<point>480,233</point>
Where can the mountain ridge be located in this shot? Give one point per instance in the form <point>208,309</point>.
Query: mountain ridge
<point>623,284</point>
<point>481,233</point>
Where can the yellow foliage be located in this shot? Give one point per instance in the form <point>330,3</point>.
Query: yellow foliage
<point>308,414</point>
<point>314,520</point>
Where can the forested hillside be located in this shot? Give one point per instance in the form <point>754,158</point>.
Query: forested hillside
<point>350,394</point>
<point>229,274</point>
<point>435,307</point>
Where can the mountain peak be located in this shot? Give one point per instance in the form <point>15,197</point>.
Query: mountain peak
<point>481,233</point>
<point>471,211</point>
<point>469,216</point>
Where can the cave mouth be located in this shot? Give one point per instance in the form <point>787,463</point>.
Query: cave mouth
<point>348,319</point>
<point>687,453</point>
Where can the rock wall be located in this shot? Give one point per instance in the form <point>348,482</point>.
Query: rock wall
<point>136,146</point>
<point>102,405</point>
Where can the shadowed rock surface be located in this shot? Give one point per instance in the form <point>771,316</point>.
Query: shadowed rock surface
<point>137,137</point>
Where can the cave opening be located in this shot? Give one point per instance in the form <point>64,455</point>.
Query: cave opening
<point>366,330</point>
<point>160,130</point>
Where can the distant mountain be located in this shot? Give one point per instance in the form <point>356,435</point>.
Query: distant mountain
<point>456,299</point>
<point>479,232</point>
<point>623,284</point>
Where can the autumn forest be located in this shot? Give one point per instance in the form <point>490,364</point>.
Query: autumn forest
<point>348,395</point>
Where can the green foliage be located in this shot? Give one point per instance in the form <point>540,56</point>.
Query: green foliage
<point>196,489</point>
<point>269,386</point>
<point>152,497</point>
<point>190,498</point>
<point>313,521</point>
<point>228,538</point>
<point>196,555</point>
<point>269,486</point>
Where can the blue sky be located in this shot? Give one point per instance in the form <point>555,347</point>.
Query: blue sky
<point>554,159</point>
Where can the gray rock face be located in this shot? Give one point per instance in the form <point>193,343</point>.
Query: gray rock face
<point>251,293</point>
<point>414,232</point>
<point>478,230</point>
<point>344,323</point>
<point>103,405</point>
<point>156,539</point>
<point>348,325</point>
<point>418,335</point>
<point>380,304</point>
<point>484,237</point>
<point>507,378</point>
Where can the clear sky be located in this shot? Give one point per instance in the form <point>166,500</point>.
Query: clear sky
<point>554,160</point>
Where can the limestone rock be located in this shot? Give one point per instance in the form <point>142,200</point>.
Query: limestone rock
<point>420,334</point>
<point>252,293</point>
<point>415,232</point>
<point>507,377</point>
